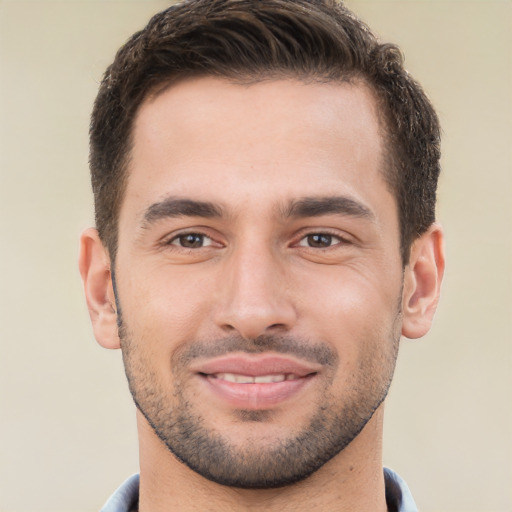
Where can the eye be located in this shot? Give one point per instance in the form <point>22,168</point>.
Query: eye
<point>320,240</point>
<point>191,241</point>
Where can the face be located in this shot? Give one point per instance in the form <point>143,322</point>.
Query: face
<point>258,275</point>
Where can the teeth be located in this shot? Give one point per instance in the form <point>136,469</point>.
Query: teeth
<point>263,379</point>
<point>234,377</point>
<point>260,379</point>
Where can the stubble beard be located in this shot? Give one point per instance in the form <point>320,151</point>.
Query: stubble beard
<point>336,422</point>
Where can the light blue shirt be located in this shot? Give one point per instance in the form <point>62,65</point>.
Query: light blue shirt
<point>398,496</point>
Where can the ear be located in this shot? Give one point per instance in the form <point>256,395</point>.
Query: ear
<point>94,264</point>
<point>422,282</point>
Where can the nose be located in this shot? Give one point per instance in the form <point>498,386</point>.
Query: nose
<point>256,298</point>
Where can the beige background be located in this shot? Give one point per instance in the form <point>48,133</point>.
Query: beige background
<point>67,433</point>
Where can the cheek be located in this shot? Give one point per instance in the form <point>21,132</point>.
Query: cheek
<point>358,316</point>
<point>348,307</point>
<point>167,301</point>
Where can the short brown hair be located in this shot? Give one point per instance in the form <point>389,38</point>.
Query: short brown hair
<point>249,41</point>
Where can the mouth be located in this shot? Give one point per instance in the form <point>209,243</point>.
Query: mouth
<point>255,382</point>
<point>257,379</point>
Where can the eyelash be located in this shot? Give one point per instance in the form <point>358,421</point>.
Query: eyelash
<point>182,236</point>
<point>335,239</point>
<point>325,234</point>
<point>329,238</point>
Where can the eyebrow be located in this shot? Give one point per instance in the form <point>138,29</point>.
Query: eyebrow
<point>172,207</point>
<point>318,206</point>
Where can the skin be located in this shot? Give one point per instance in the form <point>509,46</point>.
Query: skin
<point>260,267</point>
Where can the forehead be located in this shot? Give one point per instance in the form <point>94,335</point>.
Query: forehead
<point>275,139</point>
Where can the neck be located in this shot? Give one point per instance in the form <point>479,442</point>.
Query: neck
<point>351,481</point>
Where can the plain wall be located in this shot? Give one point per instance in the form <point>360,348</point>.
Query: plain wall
<point>67,428</point>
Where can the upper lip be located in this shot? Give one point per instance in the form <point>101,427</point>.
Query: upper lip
<point>256,365</point>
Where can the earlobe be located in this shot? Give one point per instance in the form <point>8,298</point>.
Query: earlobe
<point>422,282</point>
<point>94,265</point>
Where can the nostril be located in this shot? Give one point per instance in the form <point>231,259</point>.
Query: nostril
<point>251,319</point>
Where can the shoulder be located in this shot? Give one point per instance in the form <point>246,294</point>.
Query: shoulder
<point>125,498</point>
<point>398,495</point>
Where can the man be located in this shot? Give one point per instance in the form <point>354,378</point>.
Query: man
<point>264,177</point>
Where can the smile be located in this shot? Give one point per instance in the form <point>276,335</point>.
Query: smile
<point>255,382</point>
<point>259,379</point>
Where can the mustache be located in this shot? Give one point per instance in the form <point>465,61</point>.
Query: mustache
<point>315,352</point>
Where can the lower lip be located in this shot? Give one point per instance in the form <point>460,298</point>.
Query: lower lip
<point>256,396</point>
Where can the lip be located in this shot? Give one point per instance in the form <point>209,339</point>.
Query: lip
<point>253,396</point>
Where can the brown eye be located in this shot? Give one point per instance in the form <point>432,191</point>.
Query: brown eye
<point>191,241</point>
<point>319,240</point>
